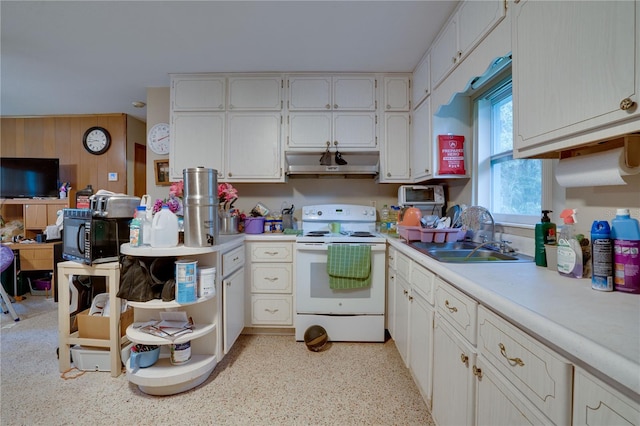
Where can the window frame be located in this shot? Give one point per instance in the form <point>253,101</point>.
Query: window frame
<point>482,125</point>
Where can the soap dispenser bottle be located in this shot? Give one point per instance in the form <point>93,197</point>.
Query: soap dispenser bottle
<point>545,234</point>
<point>569,250</point>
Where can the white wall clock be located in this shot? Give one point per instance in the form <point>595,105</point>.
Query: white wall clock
<point>158,138</point>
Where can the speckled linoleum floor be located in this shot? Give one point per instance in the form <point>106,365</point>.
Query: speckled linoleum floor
<point>264,380</point>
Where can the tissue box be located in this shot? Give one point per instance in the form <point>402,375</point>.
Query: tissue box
<point>97,327</point>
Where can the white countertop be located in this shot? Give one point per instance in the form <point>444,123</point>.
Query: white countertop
<point>600,331</point>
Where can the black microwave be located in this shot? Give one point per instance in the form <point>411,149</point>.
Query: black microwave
<point>89,239</point>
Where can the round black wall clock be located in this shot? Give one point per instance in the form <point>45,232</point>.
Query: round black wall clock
<point>96,140</point>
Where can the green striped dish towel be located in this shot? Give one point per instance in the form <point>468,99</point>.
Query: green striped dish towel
<point>349,266</point>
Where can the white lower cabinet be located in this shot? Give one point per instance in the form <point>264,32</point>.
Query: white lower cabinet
<point>271,284</point>
<point>539,374</point>
<point>454,360</point>
<point>421,319</point>
<point>597,404</point>
<point>401,334</point>
<point>232,295</point>
<point>390,316</point>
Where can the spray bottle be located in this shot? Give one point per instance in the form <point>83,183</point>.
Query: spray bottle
<point>569,250</point>
<point>545,234</point>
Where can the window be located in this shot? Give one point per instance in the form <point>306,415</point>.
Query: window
<point>510,188</point>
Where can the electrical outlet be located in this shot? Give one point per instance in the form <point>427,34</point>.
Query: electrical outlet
<point>373,204</point>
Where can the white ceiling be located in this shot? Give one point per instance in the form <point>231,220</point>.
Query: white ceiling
<point>92,57</point>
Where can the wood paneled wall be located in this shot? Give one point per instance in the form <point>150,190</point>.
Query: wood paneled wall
<point>61,137</point>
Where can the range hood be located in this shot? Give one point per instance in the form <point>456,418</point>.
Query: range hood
<point>307,164</point>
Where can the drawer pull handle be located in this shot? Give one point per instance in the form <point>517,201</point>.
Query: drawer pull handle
<point>512,361</point>
<point>464,358</point>
<point>235,259</point>
<point>271,253</point>
<point>272,279</point>
<point>271,311</point>
<point>477,372</point>
<point>451,308</point>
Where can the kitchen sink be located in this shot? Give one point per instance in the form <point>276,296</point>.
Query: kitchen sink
<point>466,252</point>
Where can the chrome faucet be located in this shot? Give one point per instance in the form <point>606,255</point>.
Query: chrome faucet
<point>503,247</point>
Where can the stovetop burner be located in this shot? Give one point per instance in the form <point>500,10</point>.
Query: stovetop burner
<point>316,233</point>
<point>361,234</point>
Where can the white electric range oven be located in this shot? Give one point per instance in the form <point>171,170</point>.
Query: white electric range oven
<point>355,315</point>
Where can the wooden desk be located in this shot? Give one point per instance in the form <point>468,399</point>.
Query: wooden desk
<point>38,257</point>
<point>66,339</point>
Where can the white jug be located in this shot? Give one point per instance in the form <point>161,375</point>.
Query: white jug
<point>164,229</point>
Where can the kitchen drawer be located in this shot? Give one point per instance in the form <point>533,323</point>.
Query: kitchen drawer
<point>271,278</point>
<point>543,376</point>
<point>271,309</point>
<point>458,309</point>
<point>403,264</point>
<point>232,260</point>
<point>422,280</point>
<point>271,252</point>
<point>36,259</point>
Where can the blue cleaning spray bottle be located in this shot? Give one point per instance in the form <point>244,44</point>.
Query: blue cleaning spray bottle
<point>569,250</point>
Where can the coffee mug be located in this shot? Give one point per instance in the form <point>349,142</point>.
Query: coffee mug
<point>334,227</point>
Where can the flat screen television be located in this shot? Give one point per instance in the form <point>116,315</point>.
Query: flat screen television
<point>29,177</point>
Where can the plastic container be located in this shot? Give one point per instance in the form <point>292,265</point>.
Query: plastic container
<point>186,281</point>
<point>410,233</point>
<point>254,225</point>
<point>545,233</point>
<point>164,229</point>
<point>601,256</point>
<point>180,353</point>
<point>136,230</point>
<point>569,250</point>
<point>625,234</point>
<point>384,219</point>
<point>206,281</point>
<point>83,197</point>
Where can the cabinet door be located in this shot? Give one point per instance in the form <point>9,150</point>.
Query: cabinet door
<point>197,93</point>
<point>421,80</point>
<point>421,343</point>
<point>598,404</point>
<point>35,216</point>
<point>396,93</point>
<point>197,140</point>
<point>52,212</point>
<point>571,92</point>
<point>453,384</point>
<point>309,93</point>
<point>401,336</point>
<point>253,151</point>
<point>444,53</point>
<point>421,142</point>
<point>498,402</point>
<point>354,93</point>
<point>255,93</point>
<point>354,130</point>
<point>476,19</point>
<point>391,304</point>
<point>233,307</point>
<point>395,161</point>
<point>309,130</point>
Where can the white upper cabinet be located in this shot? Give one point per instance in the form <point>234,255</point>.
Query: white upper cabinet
<point>397,137</point>
<point>254,147</point>
<point>396,93</point>
<point>575,73</point>
<point>332,93</point>
<point>465,29</point>
<point>421,143</point>
<point>421,87</point>
<point>197,93</point>
<point>255,93</point>
<point>197,141</point>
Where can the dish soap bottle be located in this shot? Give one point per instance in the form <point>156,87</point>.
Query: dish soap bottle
<point>625,234</point>
<point>569,250</point>
<point>545,234</point>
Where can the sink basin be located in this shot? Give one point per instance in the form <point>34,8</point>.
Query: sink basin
<point>461,252</point>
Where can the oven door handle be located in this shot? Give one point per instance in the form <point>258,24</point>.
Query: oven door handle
<point>375,247</point>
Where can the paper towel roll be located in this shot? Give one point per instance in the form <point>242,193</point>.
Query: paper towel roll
<point>600,169</point>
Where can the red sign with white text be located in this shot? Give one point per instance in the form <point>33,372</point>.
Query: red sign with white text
<point>451,155</point>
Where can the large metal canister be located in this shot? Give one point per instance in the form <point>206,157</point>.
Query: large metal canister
<point>200,207</point>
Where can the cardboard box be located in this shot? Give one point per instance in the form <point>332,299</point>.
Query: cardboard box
<point>97,327</point>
